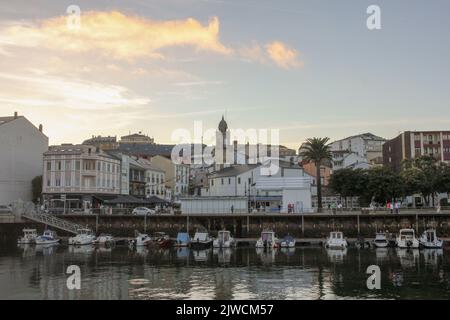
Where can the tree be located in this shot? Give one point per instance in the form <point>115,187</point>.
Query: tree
<point>36,188</point>
<point>383,184</point>
<point>317,150</point>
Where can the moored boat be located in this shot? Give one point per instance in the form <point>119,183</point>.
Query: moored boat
<point>48,237</point>
<point>430,240</point>
<point>407,239</point>
<point>336,240</point>
<point>380,240</point>
<point>83,237</point>
<point>142,239</point>
<point>224,240</point>
<point>105,240</point>
<point>162,239</point>
<point>287,242</point>
<point>268,239</point>
<point>201,240</point>
<point>29,237</point>
<point>183,239</point>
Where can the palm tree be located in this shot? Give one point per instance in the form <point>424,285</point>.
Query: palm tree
<point>317,150</point>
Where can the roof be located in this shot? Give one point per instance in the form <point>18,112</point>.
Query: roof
<point>4,120</point>
<point>233,171</point>
<point>146,149</point>
<point>365,136</point>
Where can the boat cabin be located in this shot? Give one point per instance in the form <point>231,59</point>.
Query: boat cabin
<point>406,234</point>
<point>84,231</point>
<point>267,235</point>
<point>224,235</point>
<point>201,236</point>
<point>336,235</point>
<point>431,235</point>
<point>183,237</point>
<point>29,232</point>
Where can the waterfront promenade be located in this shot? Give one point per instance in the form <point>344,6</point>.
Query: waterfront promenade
<point>308,225</point>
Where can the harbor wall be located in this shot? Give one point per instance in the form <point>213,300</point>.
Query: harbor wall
<point>250,225</point>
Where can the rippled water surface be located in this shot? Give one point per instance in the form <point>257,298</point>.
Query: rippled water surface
<point>30,272</point>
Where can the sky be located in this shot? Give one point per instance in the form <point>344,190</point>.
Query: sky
<point>307,68</point>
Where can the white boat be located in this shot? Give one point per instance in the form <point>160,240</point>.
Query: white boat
<point>430,240</point>
<point>142,239</point>
<point>287,242</point>
<point>29,237</point>
<point>224,240</point>
<point>407,239</point>
<point>336,240</point>
<point>267,240</point>
<point>381,240</point>
<point>83,237</point>
<point>105,239</point>
<point>201,240</point>
<point>48,237</point>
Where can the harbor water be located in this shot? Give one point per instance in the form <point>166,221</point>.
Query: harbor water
<point>310,272</point>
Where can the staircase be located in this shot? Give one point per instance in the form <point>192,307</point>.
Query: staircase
<point>28,211</point>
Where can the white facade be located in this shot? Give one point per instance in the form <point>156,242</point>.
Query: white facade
<point>155,179</point>
<point>21,151</point>
<point>356,151</point>
<point>80,169</point>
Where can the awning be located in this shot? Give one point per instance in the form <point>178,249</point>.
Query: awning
<point>155,199</point>
<point>126,199</point>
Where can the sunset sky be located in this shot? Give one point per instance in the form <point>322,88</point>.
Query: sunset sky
<point>308,68</point>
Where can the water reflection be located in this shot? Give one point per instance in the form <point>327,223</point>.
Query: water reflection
<point>29,272</point>
<point>336,255</point>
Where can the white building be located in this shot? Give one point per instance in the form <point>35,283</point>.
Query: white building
<point>21,150</point>
<point>360,151</point>
<point>77,173</point>
<point>289,185</point>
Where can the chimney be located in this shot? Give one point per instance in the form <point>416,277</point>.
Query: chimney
<point>40,127</point>
<point>15,115</point>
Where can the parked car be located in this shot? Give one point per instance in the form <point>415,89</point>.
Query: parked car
<point>142,211</point>
<point>4,209</point>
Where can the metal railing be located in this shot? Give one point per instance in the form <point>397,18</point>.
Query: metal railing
<point>29,211</point>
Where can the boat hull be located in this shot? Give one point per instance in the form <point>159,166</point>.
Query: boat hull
<point>408,244</point>
<point>201,244</point>
<point>44,242</point>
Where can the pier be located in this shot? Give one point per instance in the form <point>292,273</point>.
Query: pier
<point>245,227</point>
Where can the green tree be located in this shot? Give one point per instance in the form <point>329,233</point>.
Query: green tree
<point>317,150</point>
<point>36,188</point>
<point>383,184</point>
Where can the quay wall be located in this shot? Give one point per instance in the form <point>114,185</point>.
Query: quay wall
<point>250,225</point>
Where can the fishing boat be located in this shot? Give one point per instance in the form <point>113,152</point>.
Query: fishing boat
<point>336,240</point>
<point>287,242</point>
<point>105,240</point>
<point>380,240</point>
<point>183,240</point>
<point>83,237</point>
<point>407,239</point>
<point>267,240</point>
<point>224,240</point>
<point>201,240</point>
<point>29,236</point>
<point>162,239</point>
<point>48,237</point>
<point>430,240</point>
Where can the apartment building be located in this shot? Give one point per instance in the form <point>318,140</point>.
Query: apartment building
<point>74,174</point>
<point>177,176</point>
<point>155,180</point>
<point>413,144</point>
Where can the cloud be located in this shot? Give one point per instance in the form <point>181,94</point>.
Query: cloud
<point>114,33</point>
<point>276,52</point>
<point>75,94</point>
<point>282,55</point>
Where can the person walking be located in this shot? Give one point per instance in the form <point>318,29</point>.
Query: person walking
<point>232,209</point>
<point>397,207</point>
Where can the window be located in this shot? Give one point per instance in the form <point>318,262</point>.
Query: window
<point>49,165</point>
<point>222,180</point>
<point>77,165</point>
<point>48,182</point>
<point>229,180</point>
<point>58,165</point>
<point>212,182</point>
<point>239,180</point>
<point>68,165</point>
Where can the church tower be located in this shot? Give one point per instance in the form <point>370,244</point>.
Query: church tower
<point>222,142</point>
